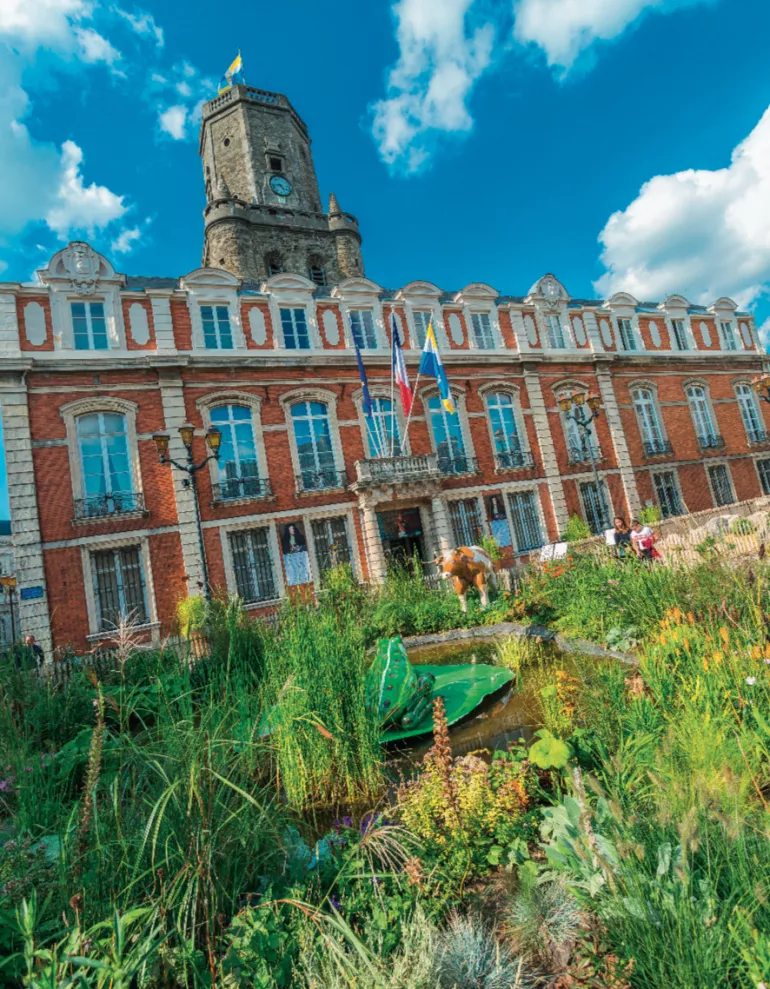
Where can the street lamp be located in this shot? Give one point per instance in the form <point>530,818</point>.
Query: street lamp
<point>761,385</point>
<point>582,409</point>
<point>8,583</point>
<point>214,441</point>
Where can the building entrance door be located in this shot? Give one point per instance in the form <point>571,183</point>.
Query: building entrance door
<point>402,536</point>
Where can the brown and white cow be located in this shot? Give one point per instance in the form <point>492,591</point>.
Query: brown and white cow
<point>466,567</point>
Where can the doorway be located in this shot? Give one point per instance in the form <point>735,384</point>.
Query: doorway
<point>402,536</point>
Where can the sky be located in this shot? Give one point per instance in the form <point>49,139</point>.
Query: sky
<point>620,144</point>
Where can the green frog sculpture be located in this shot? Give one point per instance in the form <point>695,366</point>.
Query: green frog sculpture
<point>400,694</point>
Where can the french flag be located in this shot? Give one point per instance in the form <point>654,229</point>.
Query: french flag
<point>400,375</point>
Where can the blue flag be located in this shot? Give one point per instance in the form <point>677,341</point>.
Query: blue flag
<point>368,407</point>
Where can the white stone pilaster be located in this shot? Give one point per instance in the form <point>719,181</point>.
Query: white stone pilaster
<point>592,331</point>
<point>441,525</point>
<point>614,421</point>
<point>9,327</point>
<point>161,317</point>
<point>34,616</point>
<point>375,556</point>
<point>547,449</point>
<point>520,331</point>
<point>174,414</point>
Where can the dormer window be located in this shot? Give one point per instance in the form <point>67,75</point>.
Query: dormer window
<point>89,326</point>
<point>482,331</point>
<point>217,332</point>
<point>626,334</point>
<point>421,319</point>
<point>680,334</point>
<point>555,331</point>
<point>363,329</point>
<point>727,332</point>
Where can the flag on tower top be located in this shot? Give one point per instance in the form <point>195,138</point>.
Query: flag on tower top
<point>400,375</point>
<point>233,76</point>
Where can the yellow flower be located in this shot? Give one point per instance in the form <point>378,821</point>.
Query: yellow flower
<point>725,635</point>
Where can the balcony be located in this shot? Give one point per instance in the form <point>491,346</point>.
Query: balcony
<point>585,454</point>
<point>454,466</point>
<point>109,505</point>
<point>657,448</point>
<point>711,442</point>
<point>514,460</point>
<point>392,470</point>
<point>310,481</point>
<point>235,488</point>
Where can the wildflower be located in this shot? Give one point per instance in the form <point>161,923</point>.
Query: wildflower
<point>725,635</point>
<point>335,903</point>
<point>28,769</point>
<point>751,681</point>
<point>5,786</point>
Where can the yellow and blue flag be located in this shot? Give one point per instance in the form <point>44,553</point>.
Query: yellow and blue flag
<point>432,367</point>
<point>234,75</point>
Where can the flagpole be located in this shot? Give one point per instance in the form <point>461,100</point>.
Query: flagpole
<point>411,407</point>
<point>392,377</point>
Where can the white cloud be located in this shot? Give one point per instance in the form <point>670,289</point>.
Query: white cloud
<point>95,48</point>
<point>41,21</point>
<point>126,241</point>
<point>444,49</point>
<point>80,207</point>
<point>703,233</point>
<point>173,121</point>
<point>564,29</point>
<point>144,24</point>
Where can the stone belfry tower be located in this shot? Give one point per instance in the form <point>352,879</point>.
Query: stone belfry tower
<point>263,210</point>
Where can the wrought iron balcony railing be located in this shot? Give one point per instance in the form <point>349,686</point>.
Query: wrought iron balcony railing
<point>513,459</point>
<point>105,505</point>
<point>656,448</point>
<point>385,470</point>
<point>711,442</point>
<point>321,480</point>
<point>583,454</point>
<point>458,465</point>
<point>242,487</point>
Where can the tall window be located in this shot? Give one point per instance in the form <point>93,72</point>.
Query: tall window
<point>253,565</point>
<point>667,491</point>
<point>649,422</point>
<point>763,466</point>
<point>466,522</point>
<point>238,467</point>
<point>502,415</point>
<point>626,334</point>
<point>700,410</point>
<point>729,339</point>
<point>595,506</point>
<point>526,521</point>
<point>89,326</point>
<point>332,546</point>
<point>448,436</point>
<point>382,429</point>
<point>119,587</point>
<point>107,483</point>
<point>679,332</point>
<point>482,331</point>
<point>363,329</point>
<point>296,335</point>
<point>217,334</point>
<point>721,485</point>
<point>555,331</point>
<point>421,319</point>
<point>580,442</point>
<point>750,414</point>
<point>313,437</point>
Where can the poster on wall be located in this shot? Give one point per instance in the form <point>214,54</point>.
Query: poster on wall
<point>498,520</point>
<point>296,559</point>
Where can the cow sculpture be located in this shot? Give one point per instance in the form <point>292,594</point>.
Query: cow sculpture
<point>466,567</point>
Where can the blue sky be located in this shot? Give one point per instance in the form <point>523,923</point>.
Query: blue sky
<point>617,143</point>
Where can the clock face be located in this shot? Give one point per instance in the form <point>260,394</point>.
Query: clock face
<point>280,185</point>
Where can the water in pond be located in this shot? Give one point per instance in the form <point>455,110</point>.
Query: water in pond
<point>503,717</point>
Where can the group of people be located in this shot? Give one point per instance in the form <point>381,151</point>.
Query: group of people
<point>634,539</point>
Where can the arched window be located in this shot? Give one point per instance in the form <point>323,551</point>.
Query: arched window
<point>238,467</point>
<point>703,420</point>
<point>582,442</point>
<point>649,422</point>
<point>752,420</point>
<point>448,437</point>
<point>505,431</point>
<point>316,271</point>
<point>382,429</point>
<point>315,452</point>
<point>273,263</point>
<point>106,468</point>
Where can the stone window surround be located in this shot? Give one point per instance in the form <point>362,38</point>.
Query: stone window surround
<point>755,460</point>
<point>72,411</point>
<point>571,385</point>
<point>288,291</point>
<point>212,295</point>
<point>381,391</point>
<point>719,462</point>
<point>603,482</point>
<point>118,541</point>
<point>723,311</point>
<point>458,396</point>
<point>64,331</point>
<point>671,469</point>
<point>536,490</point>
<point>759,403</point>
<point>495,387</point>
<point>701,383</point>
<point>360,293</point>
<point>626,310</point>
<point>560,309</point>
<point>271,522</point>
<point>205,407</point>
<point>329,399</point>
<point>639,383</point>
<point>676,307</point>
<point>480,298</point>
<point>427,297</point>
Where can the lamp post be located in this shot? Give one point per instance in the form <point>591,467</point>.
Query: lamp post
<point>214,441</point>
<point>583,409</point>
<point>761,385</point>
<point>8,583</point>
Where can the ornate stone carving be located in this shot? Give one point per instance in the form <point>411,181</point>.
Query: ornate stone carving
<point>81,263</point>
<point>34,323</point>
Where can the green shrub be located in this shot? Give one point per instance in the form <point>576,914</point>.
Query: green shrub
<point>576,530</point>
